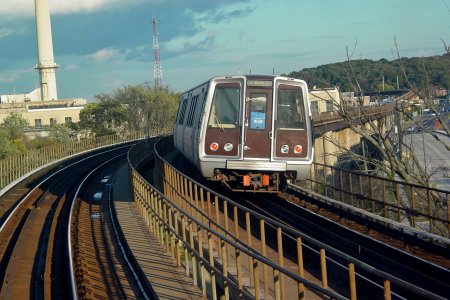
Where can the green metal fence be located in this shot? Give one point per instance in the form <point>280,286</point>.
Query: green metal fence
<point>13,168</point>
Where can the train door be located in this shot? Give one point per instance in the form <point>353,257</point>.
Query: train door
<point>258,120</point>
<point>291,139</point>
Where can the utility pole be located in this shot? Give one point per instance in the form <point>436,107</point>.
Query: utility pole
<point>157,69</point>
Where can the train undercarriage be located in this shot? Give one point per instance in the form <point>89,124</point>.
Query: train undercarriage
<point>254,182</point>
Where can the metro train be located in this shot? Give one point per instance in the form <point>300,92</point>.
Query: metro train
<point>251,132</point>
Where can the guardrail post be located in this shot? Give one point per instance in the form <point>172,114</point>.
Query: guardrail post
<point>185,192</point>
<point>186,253</point>
<point>191,200</point>
<point>397,197</point>
<point>301,287</point>
<point>217,218</point>
<point>413,206</point>
<point>281,261</point>
<point>197,213</point>
<point>387,290</point>
<point>430,210</point>
<point>177,240</point>
<point>323,268</point>
<point>166,227</point>
<point>208,202</point>
<point>448,215</point>
<point>202,264</point>
<point>264,253</point>
<point>249,243</point>
<point>225,270</point>
<point>194,259</point>
<point>383,184</point>
<point>372,200</point>
<point>225,211</point>
<point>237,251</point>
<point>160,220</point>
<point>211,263</point>
<point>360,185</point>
<point>352,281</point>
<point>153,214</point>
<point>172,238</point>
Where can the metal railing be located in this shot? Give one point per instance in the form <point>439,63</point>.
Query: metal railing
<point>330,117</point>
<point>240,250</point>
<point>421,207</point>
<point>13,168</point>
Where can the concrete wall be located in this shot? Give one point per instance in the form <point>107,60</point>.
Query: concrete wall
<point>58,110</point>
<point>328,145</point>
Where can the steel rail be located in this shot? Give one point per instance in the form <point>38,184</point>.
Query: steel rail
<point>345,257</point>
<point>17,206</point>
<point>115,226</point>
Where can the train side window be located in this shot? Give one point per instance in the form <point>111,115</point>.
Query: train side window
<point>290,108</point>
<point>225,107</point>
<point>182,111</point>
<point>192,111</point>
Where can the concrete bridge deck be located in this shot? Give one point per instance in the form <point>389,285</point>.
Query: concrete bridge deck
<point>167,280</point>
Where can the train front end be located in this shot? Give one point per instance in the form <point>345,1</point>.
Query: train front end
<point>257,134</point>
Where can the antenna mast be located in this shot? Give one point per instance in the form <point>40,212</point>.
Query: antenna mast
<point>157,69</point>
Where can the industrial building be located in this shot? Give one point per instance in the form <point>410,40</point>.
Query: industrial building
<point>41,107</point>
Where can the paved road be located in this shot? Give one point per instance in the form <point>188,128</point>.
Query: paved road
<point>433,155</point>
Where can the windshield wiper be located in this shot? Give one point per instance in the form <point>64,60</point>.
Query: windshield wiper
<point>219,124</point>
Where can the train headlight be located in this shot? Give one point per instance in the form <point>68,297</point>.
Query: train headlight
<point>214,146</point>
<point>284,149</point>
<point>298,149</point>
<point>228,147</point>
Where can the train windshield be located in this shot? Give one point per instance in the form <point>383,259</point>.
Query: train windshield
<point>290,108</point>
<point>225,107</point>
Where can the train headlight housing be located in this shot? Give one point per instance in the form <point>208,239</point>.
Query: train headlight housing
<point>214,146</point>
<point>228,147</point>
<point>298,149</point>
<point>284,149</point>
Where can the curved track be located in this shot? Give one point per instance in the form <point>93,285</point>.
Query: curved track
<point>34,242</point>
<point>428,277</point>
<point>400,264</point>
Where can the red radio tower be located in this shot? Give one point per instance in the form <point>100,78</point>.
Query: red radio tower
<point>157,69</point>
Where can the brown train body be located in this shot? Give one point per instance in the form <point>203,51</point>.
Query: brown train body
<point>251,132</point>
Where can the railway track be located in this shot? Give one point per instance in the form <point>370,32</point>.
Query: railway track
<point>400,264</point>
<point>36,251</point>
<point>415,277</point>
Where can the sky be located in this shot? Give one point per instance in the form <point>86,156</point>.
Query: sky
<point>104,45</point>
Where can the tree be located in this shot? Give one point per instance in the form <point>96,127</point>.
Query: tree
<point>61,133</point>
<point>12,137</point>
<point>131,108</point>
<point>13,126</point>
<point>387,145</point>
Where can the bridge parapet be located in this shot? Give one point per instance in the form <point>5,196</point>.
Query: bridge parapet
<point>421,207</point>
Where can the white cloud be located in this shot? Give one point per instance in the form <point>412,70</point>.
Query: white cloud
<point>26,7</point>
<point>8,31</point>
<point>103,55</point>
<point>13,75</point>
<point>71,67</point>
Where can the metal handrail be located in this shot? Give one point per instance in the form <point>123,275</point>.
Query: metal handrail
<point>329,181</point>
<point>177,185</point>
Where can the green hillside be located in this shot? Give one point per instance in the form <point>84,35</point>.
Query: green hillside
<point>420,71</point>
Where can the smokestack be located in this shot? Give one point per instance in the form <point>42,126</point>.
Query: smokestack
<point>46,64</point>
